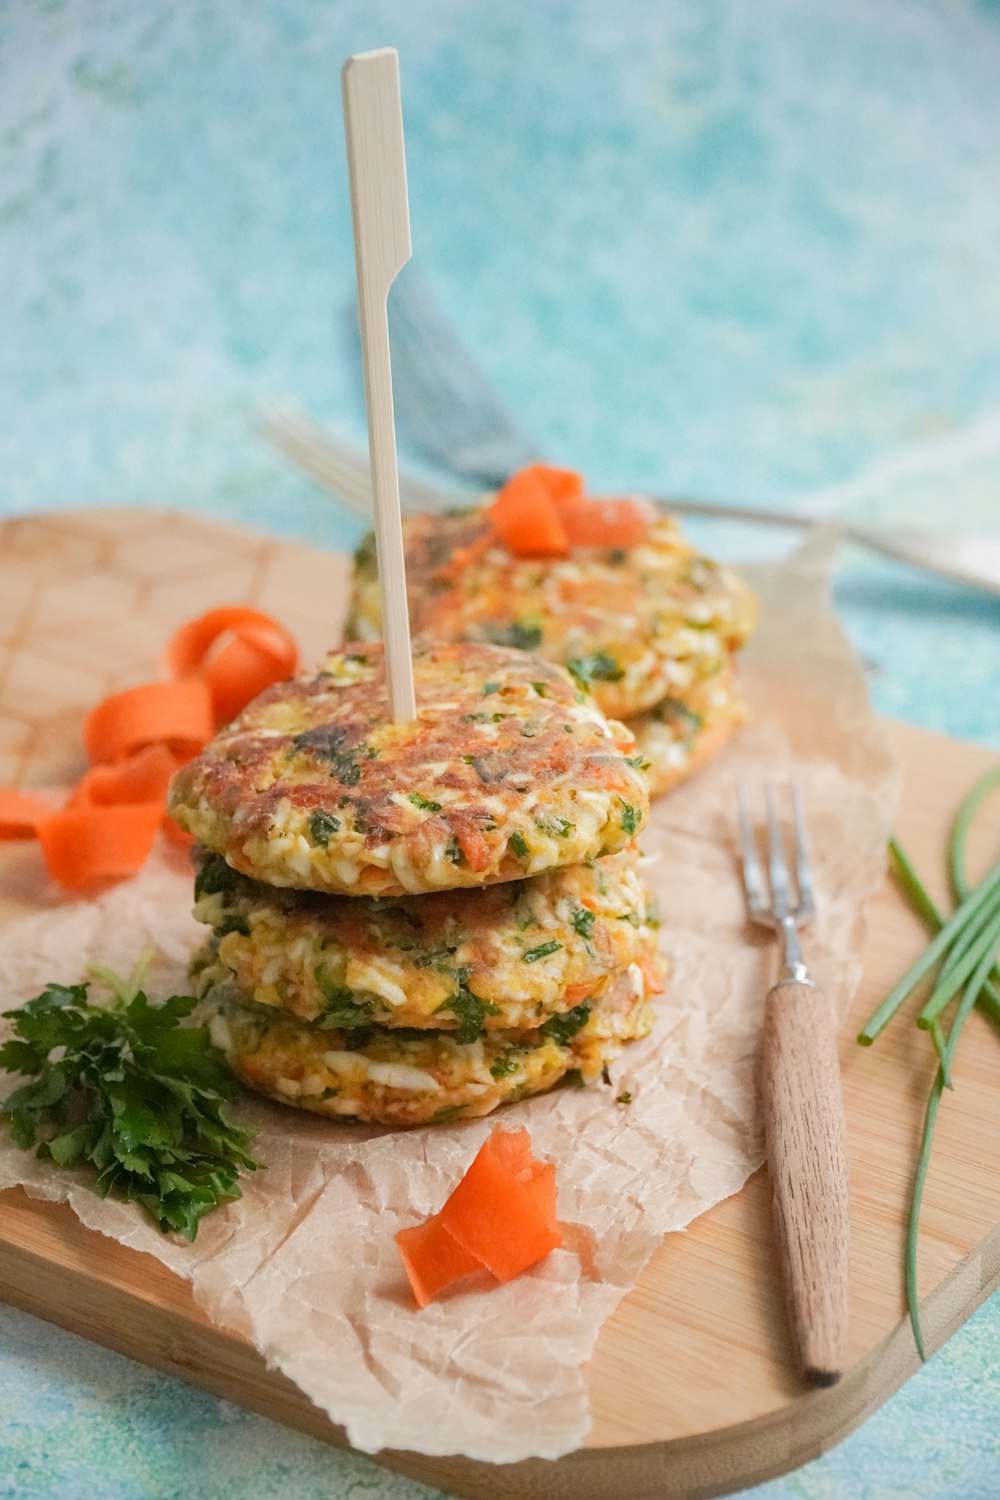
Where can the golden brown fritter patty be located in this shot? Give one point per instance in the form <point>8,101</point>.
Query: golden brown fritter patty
<point>507,770</point>
<point>681,735</point>
<point>639,625</point>
<point>505,957</point>
<point>424,1077</point>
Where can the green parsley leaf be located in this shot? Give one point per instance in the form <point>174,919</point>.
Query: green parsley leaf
<point>491,688</point>
<point>523,635</point>
<point>344,1012</point>
<point>450,1112</point>
<point>673,711</point>
<point>214,877</point>
<point>424,803</point>
<point>542,951</point>
<point>469,1011</point>
<point>541,689</point>
<point>562,1029</point>
<point>624,1097</point>
<point>504,1066</point>
<point>630,818</point>
<point>321,826</point>
<point>133,1093</point>
<point>561,827</point>
<point>583,921</point>
<point>517,843</point>
<point>600,666</point>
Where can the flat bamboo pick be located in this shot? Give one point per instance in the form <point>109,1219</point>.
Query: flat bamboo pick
<point>373,121</point>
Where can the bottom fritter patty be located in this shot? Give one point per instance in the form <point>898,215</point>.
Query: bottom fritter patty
<point>681,735</point>
<point>397,1077</point>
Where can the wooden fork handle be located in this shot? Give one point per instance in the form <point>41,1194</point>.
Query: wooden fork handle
<point>807,1162</point>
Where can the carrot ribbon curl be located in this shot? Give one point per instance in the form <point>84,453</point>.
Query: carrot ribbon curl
<point>136,740</point>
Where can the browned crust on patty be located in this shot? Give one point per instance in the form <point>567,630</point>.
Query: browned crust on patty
<point>503,744</point>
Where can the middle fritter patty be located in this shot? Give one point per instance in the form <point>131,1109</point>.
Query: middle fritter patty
<point>509,956</point>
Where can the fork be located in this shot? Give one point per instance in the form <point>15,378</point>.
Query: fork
<point>802,1102</point>
<point>453,415</point>
<point>342,468</point>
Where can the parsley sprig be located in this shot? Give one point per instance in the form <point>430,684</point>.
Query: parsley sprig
<point>129,1090</point>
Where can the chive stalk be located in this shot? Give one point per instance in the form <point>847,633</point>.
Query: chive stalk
<point>984,943</point>
<point>915,892</point>
<point>971,803</point>
<point>926,1138</point>
<point>935,950</point>
<point>965,946</point>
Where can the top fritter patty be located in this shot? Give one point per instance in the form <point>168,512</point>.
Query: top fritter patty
<point>507,770</point>
<point>638,625</point>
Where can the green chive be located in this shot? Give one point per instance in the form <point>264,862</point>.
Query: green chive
<point>934,951</point>
<point>542,951</point>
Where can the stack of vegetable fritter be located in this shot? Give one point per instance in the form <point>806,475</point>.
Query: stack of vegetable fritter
<point>416,922</point>
<point>650,627</point>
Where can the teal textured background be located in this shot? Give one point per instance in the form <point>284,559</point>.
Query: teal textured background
<point>737,251</point>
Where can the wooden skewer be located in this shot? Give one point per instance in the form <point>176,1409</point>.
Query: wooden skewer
<point>373,121</point>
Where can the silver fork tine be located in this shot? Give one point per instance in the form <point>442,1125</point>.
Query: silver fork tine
<point>445,403</point>
<point>803,872</point>
<point>340,467</point>
<point>753,875</point>
<point>777,868</point>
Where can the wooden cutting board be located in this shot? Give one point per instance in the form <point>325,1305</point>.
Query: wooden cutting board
<point>692,1382</point>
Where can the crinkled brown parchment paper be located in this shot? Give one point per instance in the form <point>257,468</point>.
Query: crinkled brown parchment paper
<point>305,1266</point>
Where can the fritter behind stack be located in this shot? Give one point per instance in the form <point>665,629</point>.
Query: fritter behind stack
<point>651,630</point>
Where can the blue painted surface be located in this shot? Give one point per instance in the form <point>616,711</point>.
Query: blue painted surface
<point>721,249</point>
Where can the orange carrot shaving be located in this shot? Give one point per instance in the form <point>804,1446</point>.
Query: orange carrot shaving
<point>504,1209</point>
<point>237,651</point>
<point>529,526</point>
<point>542,512</point>
<point>137,739</point>
<point>86,845</point>
<point>21,813</point>
<point>143,777</point>
<point>501,1217</point>
<point>433,1259</point>
<point>562,486</point>
<point>178,714</point>
<point>526,517</point>
<point>608,523</point>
